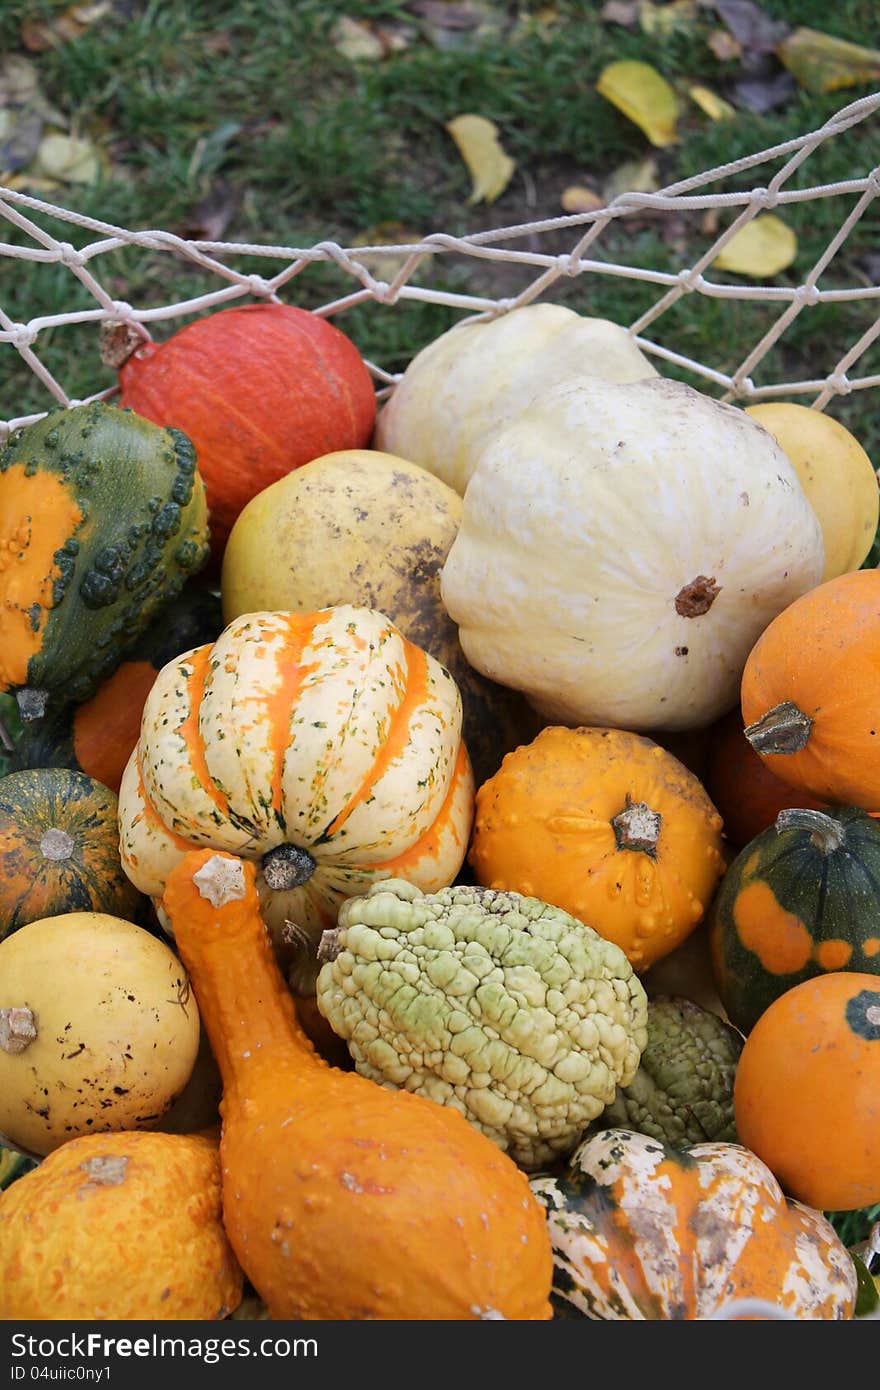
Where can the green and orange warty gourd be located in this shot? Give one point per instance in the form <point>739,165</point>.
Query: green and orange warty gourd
<point>607,825</point>
<point>323,745</point>
<point>642,1230</point>
<point>103,518</point>
<point>342,1199</point>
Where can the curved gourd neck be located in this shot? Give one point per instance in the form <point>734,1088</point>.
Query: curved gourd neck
<point>825,832</point>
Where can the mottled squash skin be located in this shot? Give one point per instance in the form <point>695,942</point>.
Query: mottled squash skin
<point>59,849</point>
<point>103,517</point>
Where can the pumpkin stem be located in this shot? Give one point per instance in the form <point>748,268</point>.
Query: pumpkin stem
<point>330,945</point>
<point>31,703</point>
<point>696,598</point>
<point>826,833</point>
<point>18,1029</point>
<point>118,340</point>
<point>637,827</point>
<point>783,729</point>
<point>56,844</point>
<point>286,867</point>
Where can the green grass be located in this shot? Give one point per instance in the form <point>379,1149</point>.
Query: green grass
<point>254,96</point>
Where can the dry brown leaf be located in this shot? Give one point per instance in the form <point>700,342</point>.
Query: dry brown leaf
<point>622,12</point>
<point>644,96</point>
<point>715,107</point>
<point>676,17</point>
<point>821,63</point>
<point>750,25</point>
<point>760,249</point>
<point>40,34</point>
<point>577,198</point>
<point>724,45</point>
<point>356,40</point>
<point>478,144</point>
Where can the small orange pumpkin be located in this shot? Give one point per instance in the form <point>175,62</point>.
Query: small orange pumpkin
<point>806,1093</point>
<point>607,825</point>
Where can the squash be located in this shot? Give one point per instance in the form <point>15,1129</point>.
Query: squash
<point>343,1200</point>
<point>322,745</point>
<point>811,691</point>
<point>98,735</point>
<point>621,548</point>
<point>103,518</point>
<point>260,389</point>
<point>370,529</point>
<point>466,385</point>
<point>607,825</point>
<point>806,1089</point>
<point>118,1227</point>
<point>800,899</point>
<point>59,849</point>
<point>748,795</point>
<point>643,1230</point>
<point>835,473</point>
<point>98,1029</point>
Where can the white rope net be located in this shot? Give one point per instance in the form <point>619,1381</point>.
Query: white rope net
<point>542,270</point>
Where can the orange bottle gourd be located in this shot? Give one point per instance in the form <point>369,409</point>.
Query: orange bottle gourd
<point>343,1200</point>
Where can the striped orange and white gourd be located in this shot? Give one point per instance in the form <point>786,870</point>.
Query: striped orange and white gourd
<point>324,745</point>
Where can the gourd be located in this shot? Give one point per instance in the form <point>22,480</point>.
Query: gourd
<point>117,1227</point>
<point>474,379</point>
<point>260,389</point>
<point>811,689</point>
<point>342,1199</point>
<point>748,795</point>
<point>503,1007</point>
<point>806,1088</point>
<point>59,848</point>
<point>607,825</point>
<point>99,1029</point>
<point>97,736</point>
<point>622,547</point>
<point>323,745</point>
<point>800,899</point>
<point>371,529</point>
<point>642,1230</point>
<point>835,473</point>
<point>103,518</point>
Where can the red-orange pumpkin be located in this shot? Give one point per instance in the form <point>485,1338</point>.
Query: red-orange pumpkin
<point>259,389</point>
<point>746,793</point>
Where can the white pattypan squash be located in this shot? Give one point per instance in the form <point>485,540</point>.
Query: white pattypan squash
<point>473,380</point>
<point>621,549</point>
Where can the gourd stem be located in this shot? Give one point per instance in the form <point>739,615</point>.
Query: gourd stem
<point>31,703</point>
<point>783,729</point>
<point>18,1029</point>
<point>637,827</point>
<point>826,833</point>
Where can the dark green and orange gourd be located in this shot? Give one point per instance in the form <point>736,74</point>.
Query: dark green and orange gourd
<point>800,900</point>
<point>102,518</point>
<point>98,735</point>
<point>59,849</point>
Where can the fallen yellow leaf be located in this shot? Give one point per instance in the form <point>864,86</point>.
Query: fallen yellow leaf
<point>67,158</point>
<point>576,198</point>
<point>643,95</point>
<point>821,63</point>
<point>678,16</point>
<point>356,41</point>
<point>635,176</point>
<point>760,249</point>
<point>478,144</point>
<point>715,107</point>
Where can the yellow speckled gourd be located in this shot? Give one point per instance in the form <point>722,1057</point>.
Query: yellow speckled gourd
<point>608,825</point>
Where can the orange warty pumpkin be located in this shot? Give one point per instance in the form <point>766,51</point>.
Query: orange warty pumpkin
<point>607,825</point>
<point>259,389</point>
<point>343,1199</point>
<point>811,691</point>
<point>806,1093</point>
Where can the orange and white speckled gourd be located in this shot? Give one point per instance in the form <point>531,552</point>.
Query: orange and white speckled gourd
<point>323,745</point>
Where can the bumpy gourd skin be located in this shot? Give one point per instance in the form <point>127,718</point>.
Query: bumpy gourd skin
<point>682,1092</point>
<point>501,1006</point>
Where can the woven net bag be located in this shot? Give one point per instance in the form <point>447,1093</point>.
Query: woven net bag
<point>734,193</point>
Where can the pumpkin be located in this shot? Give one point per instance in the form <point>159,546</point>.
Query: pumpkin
<point>805,1095</point>
<point>103,518</point>
<point>342,1199</point>
<point>59,848</point>
<point>98,735</point>
<point>811,690</point>
<point>471,381</point>
<point>367,528</point>
<point>643,1230</point>
<point>802,898</point>
<point>322,745</point>
<point>260,389</point>
<point>748,795</point>
<point>835,473</point>
<point>98,1029</point>
<point>621,547</point>
<point>607,825</point>
<point>119,1227</point>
